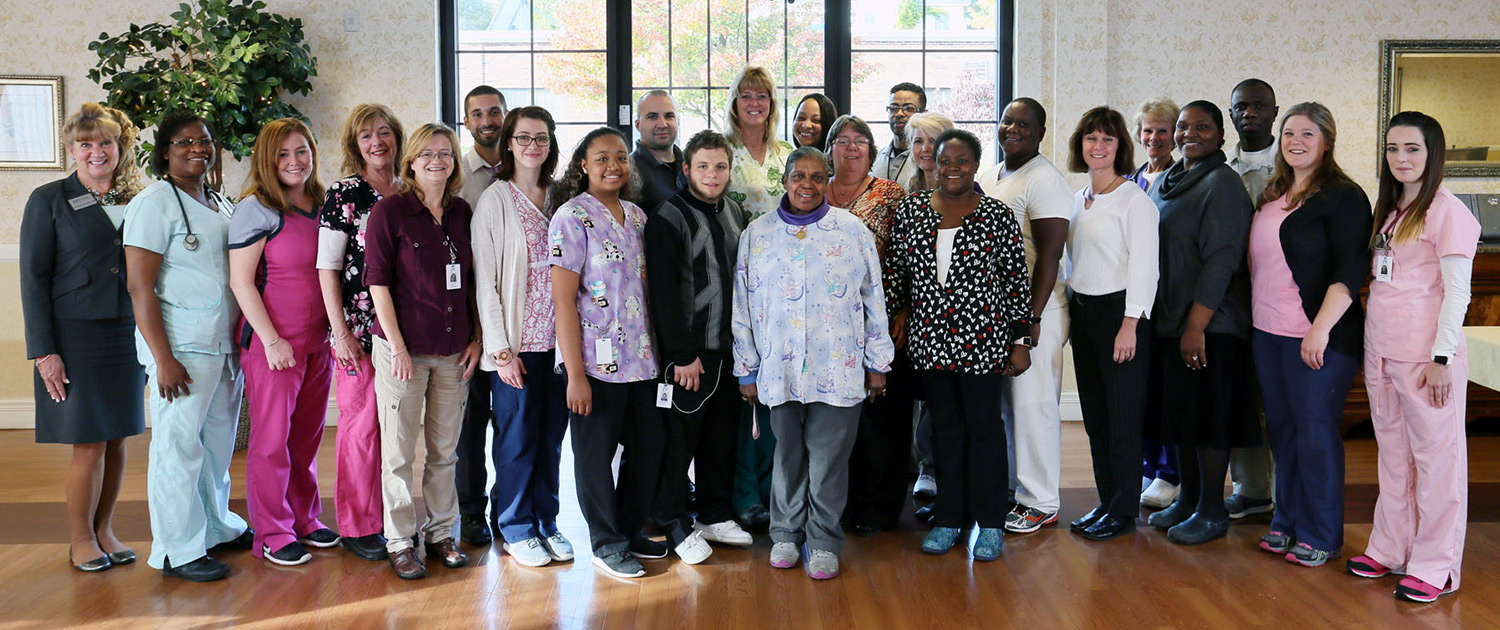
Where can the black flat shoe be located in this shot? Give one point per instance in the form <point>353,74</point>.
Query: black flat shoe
<point>866,530</point>
<point>371,547</point>
<point>1086,520</point>
<point>244,542</point>
<point>1171,517</point>
<point>474,531</point>
<point>204,569</point>
<point>122,557</point>
<point>1198,530</point>
<point>1109,527</point>
<point>102,563</point>
<point>643,547</point>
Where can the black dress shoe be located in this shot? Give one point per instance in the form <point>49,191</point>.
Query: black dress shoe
<point>866,530</point>
<point>122,557</point>
<point>475,531</point>
<point>925,513</point>
<point>204,569</point>
<point>643,547</point>
<point>1086,520</point>
<point>243,542</point>
<point>102,563</point>
<point>1171,517</point>
<point>1198,530</point>
<point>1108,527</point>
<point>371,547</point>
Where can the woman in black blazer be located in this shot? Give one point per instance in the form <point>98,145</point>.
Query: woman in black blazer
<point>79,327</point>
<point>1308,258</point>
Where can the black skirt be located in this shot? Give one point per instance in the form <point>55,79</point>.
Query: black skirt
<point>106,385</point>
<point>1213,407</point>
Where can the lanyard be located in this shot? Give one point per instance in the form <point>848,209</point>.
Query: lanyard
<point>1385,239</point>
<point>452,251</point>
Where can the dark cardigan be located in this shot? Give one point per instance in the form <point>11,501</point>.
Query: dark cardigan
<point>1326,241</point>
<point>1205,226</point>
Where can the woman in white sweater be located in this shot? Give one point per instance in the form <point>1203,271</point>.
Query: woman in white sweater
<point>514,291</point>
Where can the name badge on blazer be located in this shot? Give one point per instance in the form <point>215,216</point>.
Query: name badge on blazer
<point>82,201</point>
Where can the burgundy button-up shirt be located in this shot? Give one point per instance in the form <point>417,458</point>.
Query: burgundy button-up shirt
<point>408,252</point>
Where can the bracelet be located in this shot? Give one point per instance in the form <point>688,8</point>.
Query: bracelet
<point>397,354</point>
<point>341,337</point>
<point>42,359</point>
<point>278,340</point>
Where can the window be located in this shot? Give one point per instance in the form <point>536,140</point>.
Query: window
<point>537,52</point>
<point>949,47</point>
<point>555,53</point>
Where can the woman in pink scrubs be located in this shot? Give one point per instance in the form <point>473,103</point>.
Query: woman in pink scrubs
<point>273,249</point>
<point>1416,365</point>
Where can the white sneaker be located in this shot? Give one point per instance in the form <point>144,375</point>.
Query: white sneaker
<point>558,547</point>
<point>925,488</point>
<point>529,552</point>
<point>784,555</point>
<point>725,533</point>
<point>1159,494</point>
<point>694,549</point>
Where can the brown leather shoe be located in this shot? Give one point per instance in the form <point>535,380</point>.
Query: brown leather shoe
<point>407,566</point>
<point>448,552</point>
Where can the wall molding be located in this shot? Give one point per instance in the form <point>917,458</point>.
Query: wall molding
<point>10,252</point>
<point>20,413</point>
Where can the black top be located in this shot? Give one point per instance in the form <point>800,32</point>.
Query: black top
<point>691,252</point>
<point>1205,227</point>
<point>1326,241</point>
<point>968,324</point>
<point>72,263</point>
<point>346,209</point>
<point>659,182</point>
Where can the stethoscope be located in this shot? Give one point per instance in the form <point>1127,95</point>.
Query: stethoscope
<point>191,240</point>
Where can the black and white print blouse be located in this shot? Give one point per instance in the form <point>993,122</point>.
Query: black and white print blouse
<point>345,210</point>
<point>969,324</point>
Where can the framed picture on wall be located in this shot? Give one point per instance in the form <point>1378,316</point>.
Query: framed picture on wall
<point>31,119</point>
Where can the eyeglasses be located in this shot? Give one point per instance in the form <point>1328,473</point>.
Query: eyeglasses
<point>845,142</point>
<point>436,155</point>
<point>907,109</point>
<point>526,141</point>
<point>191,142</point>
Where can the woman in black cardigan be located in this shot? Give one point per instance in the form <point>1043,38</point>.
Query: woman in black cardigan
<point>1308,258</point>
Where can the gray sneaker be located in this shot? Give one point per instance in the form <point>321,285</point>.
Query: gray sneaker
<point>822,565</point>
<point>784,555</point>
<point>558,547</point>
<point>620,564</point>
<point>1240,506</point>
<point>1306,556</point>
<point>529,552</point>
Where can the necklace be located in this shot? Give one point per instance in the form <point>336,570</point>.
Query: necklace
<point>843,200</point>
<point>111,198</point>
<point>1090,194</point>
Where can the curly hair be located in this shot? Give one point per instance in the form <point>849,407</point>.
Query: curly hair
<point>95,122</point>
<point>575,182</point>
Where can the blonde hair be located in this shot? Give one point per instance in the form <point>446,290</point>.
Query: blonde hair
<point>264,183</point>
<point>1158,107</point>
<point>93,121</point>
<point>931,125</point>
<point>363,116</point>
<point>758,78</point>
<point>416,144</point>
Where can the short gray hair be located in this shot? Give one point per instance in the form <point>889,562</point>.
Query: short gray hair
<point>1160,108</point>
<point>803,153</point>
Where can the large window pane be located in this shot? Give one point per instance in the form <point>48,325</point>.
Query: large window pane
<point>570,24</point>
<point>961,86</point>
<point>571,86</point>
<point>493,25</point>
<point>726,28</point>
<point>690,43</point>
<point>804,37</point>
<point>648,50</point>
<point>886,24</point>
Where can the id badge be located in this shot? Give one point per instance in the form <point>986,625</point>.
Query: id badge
<point>604,351</point>
<point>664,395</point>
<point>1384,265</point>
<point>455,277</point>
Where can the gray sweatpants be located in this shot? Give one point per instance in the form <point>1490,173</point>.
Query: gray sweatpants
<point>810,479</point>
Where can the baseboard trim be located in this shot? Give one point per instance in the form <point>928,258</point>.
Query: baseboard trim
<point>1069,409</point>
<point>20,413</point>
<point>10,252</point>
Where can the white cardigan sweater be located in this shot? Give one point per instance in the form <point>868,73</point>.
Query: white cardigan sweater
<point>500,268</point>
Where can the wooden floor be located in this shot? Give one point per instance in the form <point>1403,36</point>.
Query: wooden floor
<point>1051,579</point>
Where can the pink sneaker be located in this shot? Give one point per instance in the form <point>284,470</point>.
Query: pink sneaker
<point>1414,590</point>
<point>1367,567</point>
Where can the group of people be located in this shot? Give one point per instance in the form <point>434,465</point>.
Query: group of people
<point>791,320</point>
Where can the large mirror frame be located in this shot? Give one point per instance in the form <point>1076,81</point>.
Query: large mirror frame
<point>1390,49</point>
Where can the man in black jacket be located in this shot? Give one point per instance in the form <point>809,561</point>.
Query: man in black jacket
<point>691,246</point>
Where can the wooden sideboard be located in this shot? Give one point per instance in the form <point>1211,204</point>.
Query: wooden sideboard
<point>1484,310</point>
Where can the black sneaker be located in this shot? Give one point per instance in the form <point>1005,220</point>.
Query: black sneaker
<point>475,531</point>
<point>322,539</point>
<point>204,569</point>
<point>290,555</point>
<point>643,547</point>
<point>244,542</point>
<point>371,547</point>
<point>1239,506</point>
<point>620,565</point>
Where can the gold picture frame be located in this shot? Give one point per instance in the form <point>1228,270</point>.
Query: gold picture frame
<point>1397,86</point>
<point>31,120</point>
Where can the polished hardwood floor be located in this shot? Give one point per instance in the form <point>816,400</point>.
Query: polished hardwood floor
<point>1051,579</point>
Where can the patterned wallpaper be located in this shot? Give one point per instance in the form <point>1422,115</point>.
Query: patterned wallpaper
<point>1074,54</point>
<point>1446,88</point>
<point>390,59</point>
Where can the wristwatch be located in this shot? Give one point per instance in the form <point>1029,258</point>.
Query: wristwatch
<point>1440,359</point>
<point>502,356</point>
<point>1024,340</point>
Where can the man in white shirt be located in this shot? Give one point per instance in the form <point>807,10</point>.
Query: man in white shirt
<point>1043,203</point>
<point>484,114</point>
<point>1253,110</point>
<point>891,162</point>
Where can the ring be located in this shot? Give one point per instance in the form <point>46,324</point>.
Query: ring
<point>1195,357</point>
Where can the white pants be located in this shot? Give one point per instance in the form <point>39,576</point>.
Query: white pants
<point>1033,421</point>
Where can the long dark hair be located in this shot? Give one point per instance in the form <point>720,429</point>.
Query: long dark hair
<point>575,182</point>
<point>1432,177</point>
<point>1328,171</point>
<point>827,114</point>
<point>508,159</point>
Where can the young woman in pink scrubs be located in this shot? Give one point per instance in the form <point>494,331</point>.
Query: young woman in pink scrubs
<point>1416,365</point>
<point>273,249</point>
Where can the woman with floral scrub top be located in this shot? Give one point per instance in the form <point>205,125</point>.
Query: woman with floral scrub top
<point>1417,365</point>
<point>755,182</point>
<point>604,345</point>
<point>372,142</point>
